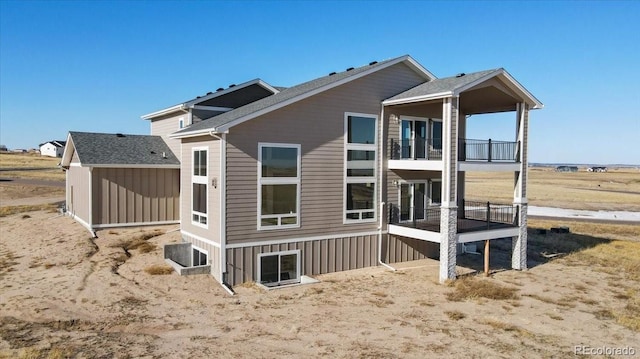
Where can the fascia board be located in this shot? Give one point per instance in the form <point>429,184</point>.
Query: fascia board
<point>402,101</point>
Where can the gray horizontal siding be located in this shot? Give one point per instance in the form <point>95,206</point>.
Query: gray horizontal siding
<point>317,123</point>
<point>166,126</point>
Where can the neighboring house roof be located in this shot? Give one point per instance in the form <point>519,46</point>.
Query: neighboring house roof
<point>55,143</point>
<point>212,95</point>
<point>453,86</point>
<point>223,122</point>
<point>119,150</point>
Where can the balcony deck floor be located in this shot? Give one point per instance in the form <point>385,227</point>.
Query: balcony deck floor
<point>464,225</point>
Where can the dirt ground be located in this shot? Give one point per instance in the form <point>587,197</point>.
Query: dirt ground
<point>64,294</point>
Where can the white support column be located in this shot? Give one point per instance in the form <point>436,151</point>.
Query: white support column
<point>449,208</point>
<point>519,243</point>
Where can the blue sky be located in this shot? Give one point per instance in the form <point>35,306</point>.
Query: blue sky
<point>98,66</point>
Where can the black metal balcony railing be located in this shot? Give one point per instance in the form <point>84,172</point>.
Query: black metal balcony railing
<point>416,149</point>
<point>470,150</point>
<point>475,216</point>
<point>488,150</point>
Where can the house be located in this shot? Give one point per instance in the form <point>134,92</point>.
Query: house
<point>115,180</point>
<point>567,169</point>
<point>357,168</point>
<point>52,148</point>
<point>597,169</point>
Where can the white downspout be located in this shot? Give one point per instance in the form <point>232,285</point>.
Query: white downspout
<point>223,197</point>
<point>380,180</point>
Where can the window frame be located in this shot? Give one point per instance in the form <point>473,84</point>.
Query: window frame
<point>426,200</point>
<point>360,179</point>
<point>204,180</point>
<point>280,282</point>
<point>202,251</point>
<point>430,194</point>
<point>279,181</point>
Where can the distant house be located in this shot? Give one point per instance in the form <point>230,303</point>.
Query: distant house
<point>116,180</point>
<point>3,148</point>
<point>52,148</point>
<point>567,169</point>
<point>597,169</point>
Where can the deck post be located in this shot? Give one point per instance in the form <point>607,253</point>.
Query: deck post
<point>486,258</point>
<point>449,195</point>
<point>519,243</point>
<point>488,215</point>
<point>489,152</point>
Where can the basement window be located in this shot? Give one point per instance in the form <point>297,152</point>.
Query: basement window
<point>279,268</point>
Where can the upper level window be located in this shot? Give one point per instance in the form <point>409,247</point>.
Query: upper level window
<point>199,188</point>
<point>181,122</point>
<point>360,167</point>
<point>278,185</point>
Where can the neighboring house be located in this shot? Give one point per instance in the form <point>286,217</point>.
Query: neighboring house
<point>354,169</point>
<point>52,148</point>
<point>567,169</point>
<point>597,169</point>
<point>3,148</point>
<point>115,180</point>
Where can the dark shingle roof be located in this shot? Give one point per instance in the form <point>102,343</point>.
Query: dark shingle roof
<point>118,149</point>
<point>278,98</point>
<point>446,84</point>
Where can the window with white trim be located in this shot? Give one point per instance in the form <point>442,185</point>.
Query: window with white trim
<point>180,122</point>
<point>279,268</point>
<point>199,256</point>
<point>360,153</point>
<point>278,185</point>
<point>199,189</point>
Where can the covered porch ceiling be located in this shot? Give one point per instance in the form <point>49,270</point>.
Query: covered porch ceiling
<point>480,92</point>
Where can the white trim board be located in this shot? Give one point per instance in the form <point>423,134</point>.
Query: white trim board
<point>134,224</point>
<point>201,239</point>
<point>303,239</point>
<point>490,234</point>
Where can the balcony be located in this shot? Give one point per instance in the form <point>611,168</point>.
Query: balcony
<point>426,154</point>
<point>489,151</point>
<point>476,216</point>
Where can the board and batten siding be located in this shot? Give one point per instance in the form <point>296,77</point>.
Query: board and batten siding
<point>317,124</point>
<point>135,195</point>
<point>78,192</point>
<point>317,256</point>
<point>212,232</point>
<point>397,249</point>
<point>166,125</point>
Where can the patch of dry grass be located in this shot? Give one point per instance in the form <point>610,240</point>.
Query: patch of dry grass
<point>455,314</point>
<point>9,210</point>
<point>617,257</point>
<point>594,229</point>
<point>475,287</point>
<point>140,242</point>
<point>159,269</point>
<point>613,190</point>
<point>27,160</point>
<point>507,327</point>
